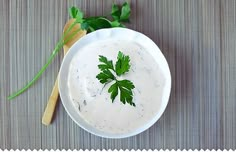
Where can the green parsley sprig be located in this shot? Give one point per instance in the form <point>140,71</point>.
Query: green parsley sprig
<point>90,24</point>
<point>119,15</point>
<point>106,76</point>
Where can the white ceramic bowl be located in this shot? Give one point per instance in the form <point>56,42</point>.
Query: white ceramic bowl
<point>105,34</point>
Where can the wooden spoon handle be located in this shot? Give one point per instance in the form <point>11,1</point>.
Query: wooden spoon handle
<point>48,113</point>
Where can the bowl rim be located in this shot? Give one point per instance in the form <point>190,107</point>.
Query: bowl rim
<point>105,33</point>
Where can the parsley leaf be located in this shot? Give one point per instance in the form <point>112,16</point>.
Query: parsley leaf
<point>126,94</point>
<point>75,12</point>
<point>122,64</point>
<point>125,12</point>
<point>115,12</point>
<point>114,91</point>
<point>122,14</point>
<point>105,76</point>
<point>98,23</point>
<point>123,86</point>
<point>106,64</point>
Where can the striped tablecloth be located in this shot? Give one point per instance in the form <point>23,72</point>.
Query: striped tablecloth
<point>198,38</point>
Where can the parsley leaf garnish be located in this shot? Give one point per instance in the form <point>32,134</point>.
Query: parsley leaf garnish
<point>106,65</point>
<point>105,76</point>
<point>122,64</point>
<point>126,94</point>
<point>123,86</point>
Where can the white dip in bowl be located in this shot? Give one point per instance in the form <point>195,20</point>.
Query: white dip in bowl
<point>87,100</point>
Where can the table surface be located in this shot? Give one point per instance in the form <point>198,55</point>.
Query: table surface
<point>198,39</point>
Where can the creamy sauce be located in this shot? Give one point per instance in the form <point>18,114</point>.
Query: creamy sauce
<point>92,99</point>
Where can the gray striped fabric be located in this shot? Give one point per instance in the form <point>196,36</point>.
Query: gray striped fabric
<point>198,38</point>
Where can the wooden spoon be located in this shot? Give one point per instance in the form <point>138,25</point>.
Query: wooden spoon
<point>48,113</point>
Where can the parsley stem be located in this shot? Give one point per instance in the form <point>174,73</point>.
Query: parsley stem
<point>59,45</point>
<point>71,36</point>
